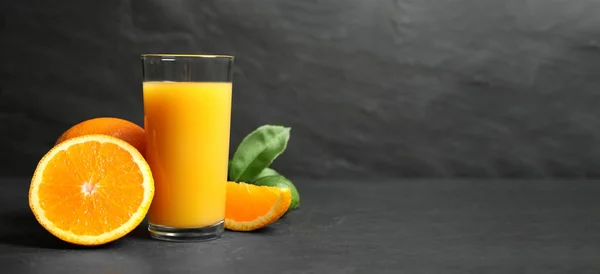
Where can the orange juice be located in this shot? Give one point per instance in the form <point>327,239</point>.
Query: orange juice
<point>187,128</point>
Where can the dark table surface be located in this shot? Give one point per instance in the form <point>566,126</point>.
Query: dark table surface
<point>394,226</point>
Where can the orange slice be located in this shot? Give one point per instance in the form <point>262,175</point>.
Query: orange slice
<point>91,190</point>
<point>250,207</point>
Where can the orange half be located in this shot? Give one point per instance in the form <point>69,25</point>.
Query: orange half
<point>250,207</point>
<point>91,190</point>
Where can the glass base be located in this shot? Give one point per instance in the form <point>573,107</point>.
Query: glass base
<point>173,234</point>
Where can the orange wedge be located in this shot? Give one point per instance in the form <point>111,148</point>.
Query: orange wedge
<point>250,207</point>
<point>91,190</point>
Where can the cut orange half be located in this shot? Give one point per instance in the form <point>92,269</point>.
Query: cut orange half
<point>250,207</point>
<point>91,190</point>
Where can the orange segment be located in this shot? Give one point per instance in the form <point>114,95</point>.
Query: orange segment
<point>250,207</point>
<point>91,190</point>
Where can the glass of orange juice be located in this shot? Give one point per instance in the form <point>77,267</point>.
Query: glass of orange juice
<point>187,114</point>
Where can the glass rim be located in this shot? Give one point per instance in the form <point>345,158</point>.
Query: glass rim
<point>220,56</point>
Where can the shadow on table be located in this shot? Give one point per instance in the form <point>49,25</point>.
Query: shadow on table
<point>22,229</point>
<point>141,232</point>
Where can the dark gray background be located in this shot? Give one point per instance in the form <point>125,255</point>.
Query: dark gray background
<point>370,88</point>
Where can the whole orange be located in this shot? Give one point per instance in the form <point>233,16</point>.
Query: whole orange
<point>115,127</point>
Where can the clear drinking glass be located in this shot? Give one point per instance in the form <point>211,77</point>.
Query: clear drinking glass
<point>187,115</point>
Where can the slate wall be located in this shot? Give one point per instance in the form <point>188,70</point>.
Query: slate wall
<point>477,88</point>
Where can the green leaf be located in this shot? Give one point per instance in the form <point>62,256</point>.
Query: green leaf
<point>281,182</point>
<point>265,173</point>
<point>257,151</point>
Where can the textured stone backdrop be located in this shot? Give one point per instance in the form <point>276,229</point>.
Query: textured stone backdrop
<point>371,88</point>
